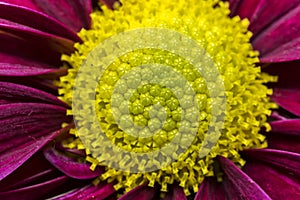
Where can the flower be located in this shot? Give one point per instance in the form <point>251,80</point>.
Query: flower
<point>38,158</point>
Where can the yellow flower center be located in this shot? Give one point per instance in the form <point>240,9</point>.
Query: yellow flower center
<point>161,112</point>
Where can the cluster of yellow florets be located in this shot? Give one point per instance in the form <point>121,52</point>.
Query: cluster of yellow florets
<point>226,40</point>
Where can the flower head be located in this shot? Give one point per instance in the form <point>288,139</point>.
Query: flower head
<point>156,99</point>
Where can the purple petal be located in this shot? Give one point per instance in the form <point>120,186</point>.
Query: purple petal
<point>262,13</point>
<point>287,72</point>
<point>73,13</point>
<point>142,192</point>
<point>241,186</point>
<point>70,166</point>
<point>275,115</point>
<point>248,9</point>
<point>34,191</point>
<point>75,151</point>
<point>35,170</point>
<point>36,20</point>
<point>24,3</point>
<point>34,36</point>
<point>210,189</point>
<point>283,141</point>
<point>288,127</point>
<point>13,93</point>
<point>33,82</point>
<point>287,52</point>
<point>233,6</point>
<point>21,70</point>
<point>26,128</point>
<point>175,193</point>
<point>284,30</point>
<point>19,119</point>
<point>98,192</point>
<point>16,50</point>
<point>288,99</point>
<point>109,3</point>
<point>279,186</point>
<point>282,159</point>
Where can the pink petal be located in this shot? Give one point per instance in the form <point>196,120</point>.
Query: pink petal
<point>175,193</point>
<point>24,3</point>
<point>70,166</point>
<point>34,82</point>
<point>284,142</point>
<point>278,185</point>
<point>288,126</point>
<point>210,189</point>
<point>26,128</point>
<point>284,30</point>
<point>142,192</point>
<point>34,36</point>
<point>22,70</point>
<point>239,185</point>
<point>109,3</point>
<point>288,99</point>
<point>287,52</point>
<point>36,20</point>
<point>15,50</point>
<point>29,118</point>
<point>73,13</point>
<point>287,73</point>
<point>34,191</point>
<point>35,170</point>
<point>262,13</point>
<point>13,93</point>
<point>281,159</point>
<point>248,9</point>
<point>233,6</point>
<point>98,192</point>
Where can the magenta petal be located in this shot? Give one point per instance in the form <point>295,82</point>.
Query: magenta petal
<point>285,29</point>
<point>288,126</point>
<point>36,20</point>
<point>98,192</point>
<point>13,159</point>
<point>282,159</point>
<point>109,3</point>
<point>249,8</point>
<point>287,52</point>
<point>268,12</point>
<point>233,6</point>
<point>276,184</point>
<point>175,193</point>
<point>210,189</point>
<point>21,70</point>
<point>24,3</point>
<point>70,166</point>
<point>33,82</point>
<point>19,119</point>
<point>15,50</point>
<point>241,185</point>
<point>287,72</point>
<point>53,42</point>
<point>34,191</point>
<point>284,142</point>
<point>288,99</point>
<point>73,13</point>
<point>13,93</point>
<point>285,135</point>
<point>142,192</point>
